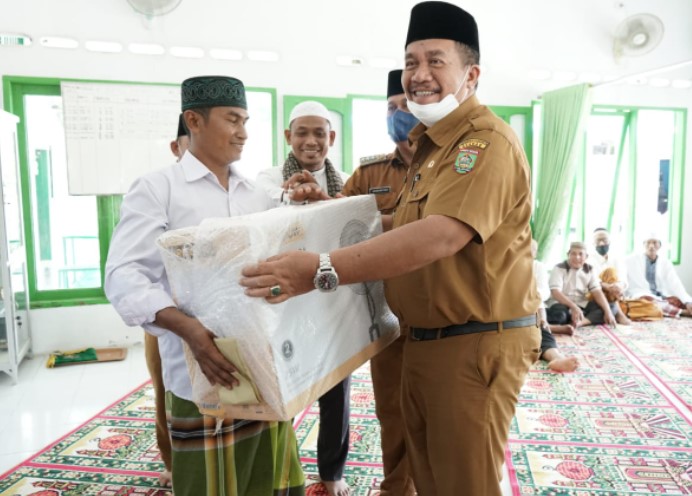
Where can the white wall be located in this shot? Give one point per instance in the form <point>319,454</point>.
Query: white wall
<point>69,328</point>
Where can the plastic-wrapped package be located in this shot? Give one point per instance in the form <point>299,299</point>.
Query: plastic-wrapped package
<point>288,354</point>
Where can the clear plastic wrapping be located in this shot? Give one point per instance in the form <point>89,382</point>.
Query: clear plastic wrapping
<point>288,354</point>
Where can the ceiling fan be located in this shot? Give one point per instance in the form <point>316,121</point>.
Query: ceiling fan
<point>637,35</point>
<point>154,8</point>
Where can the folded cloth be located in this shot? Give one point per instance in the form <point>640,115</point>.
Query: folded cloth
<point>75,356</point>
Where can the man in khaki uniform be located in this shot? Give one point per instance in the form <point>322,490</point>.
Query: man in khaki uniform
<point>384,176</point>
<point>457,265</point>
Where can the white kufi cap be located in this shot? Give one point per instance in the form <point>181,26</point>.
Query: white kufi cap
<point>309,108</point>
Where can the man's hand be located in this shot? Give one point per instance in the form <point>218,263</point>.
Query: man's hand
<point>214,365</point>
<point>302,186</point>
<point>609,318</point>
<point>612,291</point>
<point>577,315</point>
<point>291,272</point>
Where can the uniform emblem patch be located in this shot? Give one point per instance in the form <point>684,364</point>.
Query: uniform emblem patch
<point>474,143</point>
<point>465,160</point>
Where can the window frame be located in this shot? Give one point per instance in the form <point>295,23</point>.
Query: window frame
<point>107,206</point>
<point>676,180</point>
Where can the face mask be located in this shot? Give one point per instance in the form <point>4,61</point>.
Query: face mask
<point>399,124</point>
<point>602,249</point>
<point>431,113</point>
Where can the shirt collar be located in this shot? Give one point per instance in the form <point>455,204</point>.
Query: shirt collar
<point>440,131</point>
<point>194,170</point>
<point>398,160</point>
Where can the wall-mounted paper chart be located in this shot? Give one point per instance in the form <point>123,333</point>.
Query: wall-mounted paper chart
<point>116,132</point>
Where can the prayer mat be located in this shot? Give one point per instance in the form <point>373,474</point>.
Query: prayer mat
<point>619,425</point>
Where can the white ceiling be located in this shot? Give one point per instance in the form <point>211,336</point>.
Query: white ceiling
<point>517,37</point>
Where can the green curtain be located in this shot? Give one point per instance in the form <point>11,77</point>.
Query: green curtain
<point>564,120</point>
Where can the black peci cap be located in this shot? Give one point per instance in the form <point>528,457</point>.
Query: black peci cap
<point>430,20</point>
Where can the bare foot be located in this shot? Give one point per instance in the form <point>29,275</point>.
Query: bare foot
<point>565,364</point>
<point>166,478</point>
<point>562,329</point>
<point>337,487</point>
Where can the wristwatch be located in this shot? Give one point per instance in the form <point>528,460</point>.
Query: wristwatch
<point>326,278</point>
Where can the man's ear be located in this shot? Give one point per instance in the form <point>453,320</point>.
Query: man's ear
<point>474,74</point>
<point>332,137</point>
<point>287,135</point>
<point>192,121</point>
<point>174,148</point>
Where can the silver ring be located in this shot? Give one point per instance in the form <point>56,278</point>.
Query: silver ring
<point>275,290</point>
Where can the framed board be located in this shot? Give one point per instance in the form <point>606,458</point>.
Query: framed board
<point>114,133</point>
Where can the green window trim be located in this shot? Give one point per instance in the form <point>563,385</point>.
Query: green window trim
<point>506,112</point>
<point>108,207</point>
<point>677,178</point>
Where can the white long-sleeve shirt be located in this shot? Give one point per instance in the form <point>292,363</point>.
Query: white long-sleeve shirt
<point>667,281</point>
<point>600,263</point>
<point>271,180</point>
<point>178,196</point>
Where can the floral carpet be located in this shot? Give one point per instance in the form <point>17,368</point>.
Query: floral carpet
<point>620,425</point>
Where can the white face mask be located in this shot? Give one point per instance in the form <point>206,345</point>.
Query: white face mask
<point>430,113</point>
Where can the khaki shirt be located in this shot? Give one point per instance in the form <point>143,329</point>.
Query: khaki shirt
<point>469,166</point>
<point>382,176</point>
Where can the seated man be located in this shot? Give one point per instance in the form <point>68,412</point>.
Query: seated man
<point>652,277</point>
<point>610,270</point>
<point>602,259</point>
<point>557,362</point>
<point>570,282</point>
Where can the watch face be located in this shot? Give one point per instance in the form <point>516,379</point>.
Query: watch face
<point>326,281</point>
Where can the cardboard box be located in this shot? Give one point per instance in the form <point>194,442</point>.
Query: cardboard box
<point>293,352</point>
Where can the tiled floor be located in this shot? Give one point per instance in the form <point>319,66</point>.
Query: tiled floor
<point>46,404</point>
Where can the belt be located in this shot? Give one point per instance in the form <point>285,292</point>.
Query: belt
<point>422,334</point>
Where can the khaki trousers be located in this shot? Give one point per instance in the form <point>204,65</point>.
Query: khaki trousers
<point>458,397</point>
<point>151,354</point>
<point>385,368</point>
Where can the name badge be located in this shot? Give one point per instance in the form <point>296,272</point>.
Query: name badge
<point>380,190</point>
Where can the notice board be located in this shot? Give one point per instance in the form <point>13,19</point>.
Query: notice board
<point>115,133</point>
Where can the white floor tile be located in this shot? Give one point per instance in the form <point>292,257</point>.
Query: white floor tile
<point>47,404</point>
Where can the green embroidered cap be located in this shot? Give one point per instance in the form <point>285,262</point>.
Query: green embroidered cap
<point>212,91</point>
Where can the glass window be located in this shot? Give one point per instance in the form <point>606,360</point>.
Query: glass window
<point>370,135</point>
<point>655,136</point>
<point>64,227</point>
<point>626,181</point>
<point>258,152</point>
<point>335,154</point>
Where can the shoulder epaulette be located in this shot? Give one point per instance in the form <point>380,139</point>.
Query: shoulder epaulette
<point>373,159</point>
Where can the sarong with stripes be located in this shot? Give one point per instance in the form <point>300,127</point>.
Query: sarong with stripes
<point>234,458</point>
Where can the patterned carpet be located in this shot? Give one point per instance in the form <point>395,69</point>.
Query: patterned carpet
<point>620,425</point>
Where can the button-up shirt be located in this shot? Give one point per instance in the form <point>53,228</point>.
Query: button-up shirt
<point>178,196</point>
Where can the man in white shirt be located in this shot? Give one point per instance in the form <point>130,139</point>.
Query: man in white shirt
<point>203,184</point>
<point>653,277</point>
<point>557,362</point>
<point>310,136</point>
<point>570,283</point>
<point>602,258</point>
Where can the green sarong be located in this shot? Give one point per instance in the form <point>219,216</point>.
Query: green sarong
<point>234,458</point>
